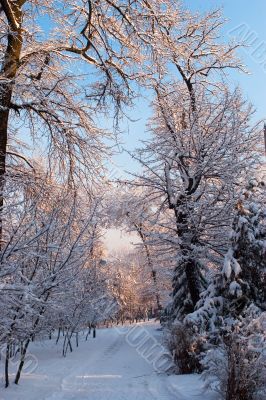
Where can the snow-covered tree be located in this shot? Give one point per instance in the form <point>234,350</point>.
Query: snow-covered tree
<point>201,144</point>
<point>47,244</point>
<point>248,246</point>
<point>195,169</point>
<point>241,282</point>
<point>61,64</point>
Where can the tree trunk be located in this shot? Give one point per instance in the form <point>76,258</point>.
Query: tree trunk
<point>22,361</point>
<point>8,73</point>
<point>193,280</point>
<point>190,266</point>
<point>64,347</point>
<point>67,343</point>
<point>6,366</point>
<point>89,332</point>
<point>139,229</point>
<point>58,335</point>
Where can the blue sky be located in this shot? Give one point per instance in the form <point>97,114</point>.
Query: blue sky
<point>243,16</point>
<point>252,14</point>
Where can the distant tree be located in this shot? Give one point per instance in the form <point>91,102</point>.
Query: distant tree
<point>134,214</point>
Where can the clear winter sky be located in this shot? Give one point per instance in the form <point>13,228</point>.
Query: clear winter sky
<point>245,16</point>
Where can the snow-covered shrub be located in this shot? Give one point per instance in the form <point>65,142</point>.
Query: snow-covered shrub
<point>185,348</point>
<point>236,369</point>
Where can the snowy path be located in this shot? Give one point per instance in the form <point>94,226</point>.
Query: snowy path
<point>106,368</point>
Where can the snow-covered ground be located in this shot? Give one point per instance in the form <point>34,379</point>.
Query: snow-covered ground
<point>114,366</point>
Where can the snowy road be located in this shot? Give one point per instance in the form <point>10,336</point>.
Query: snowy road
<point>110,367</point>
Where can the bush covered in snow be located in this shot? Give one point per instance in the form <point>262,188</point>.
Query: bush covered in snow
<point>185,348</point>
<point>236,369</point>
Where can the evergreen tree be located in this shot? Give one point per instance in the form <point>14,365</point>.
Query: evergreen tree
<point>241,281</point>
<point>249,243</point>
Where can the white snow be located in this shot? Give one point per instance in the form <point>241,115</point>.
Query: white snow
<point>227,269</point>
<point>109,367</point>
<point>235,289</point>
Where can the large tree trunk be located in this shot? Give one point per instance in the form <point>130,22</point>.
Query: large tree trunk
<point>5,98</point>
<point>193,280</point>
<point>8,72</point>
<point>184,232</point>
